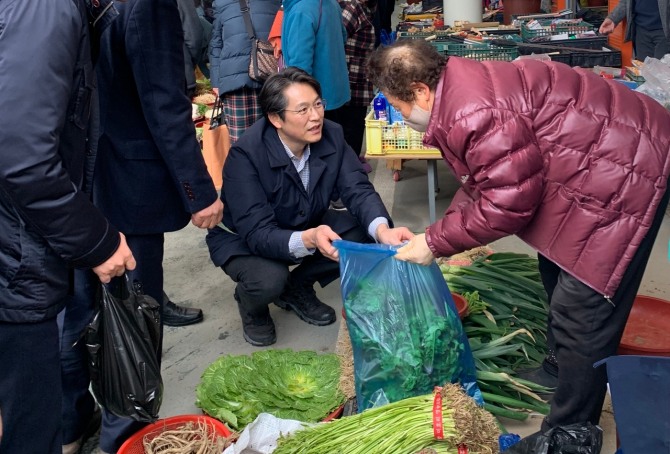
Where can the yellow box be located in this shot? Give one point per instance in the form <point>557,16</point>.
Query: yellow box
<point>383,139</point>
<point>418,16</point>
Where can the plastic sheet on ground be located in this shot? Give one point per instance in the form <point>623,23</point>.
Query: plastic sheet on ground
<point>260,437</point>
<point>657,79</point>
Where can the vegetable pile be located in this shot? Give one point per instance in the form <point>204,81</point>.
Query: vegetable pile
<point>288,384</point>
<point>188,439</point>
<point>403,349</point>
<point>506,328</point>
<point>402,427</point>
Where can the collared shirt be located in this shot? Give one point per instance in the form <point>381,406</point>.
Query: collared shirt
<point>296,246</point>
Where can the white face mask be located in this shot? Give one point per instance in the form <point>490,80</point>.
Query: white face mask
<point>418,119</point>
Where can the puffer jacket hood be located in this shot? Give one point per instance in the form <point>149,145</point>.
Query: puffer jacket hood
<point>573,164</point>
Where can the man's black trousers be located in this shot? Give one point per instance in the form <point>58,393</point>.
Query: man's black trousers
<point>587,328</point>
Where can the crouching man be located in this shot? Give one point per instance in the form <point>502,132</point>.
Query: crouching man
<point>279,180</point>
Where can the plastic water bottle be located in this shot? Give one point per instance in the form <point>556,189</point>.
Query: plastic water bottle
<point>394,115</point>
<point>379,106</point>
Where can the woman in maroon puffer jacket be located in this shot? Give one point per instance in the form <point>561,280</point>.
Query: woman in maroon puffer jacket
<point>575,165</point>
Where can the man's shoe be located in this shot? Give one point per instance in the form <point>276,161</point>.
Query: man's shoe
<point>301,299</point>
<point>258,329</point>
<point>539,376</point>
<point>543,376</point>
<point>174,315</point>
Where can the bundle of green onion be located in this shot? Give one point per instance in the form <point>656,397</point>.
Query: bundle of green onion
<point>403,427</point>
<point>506,328</point>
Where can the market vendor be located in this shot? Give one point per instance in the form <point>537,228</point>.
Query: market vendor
<point>573,164</point>
<point>278,182</point>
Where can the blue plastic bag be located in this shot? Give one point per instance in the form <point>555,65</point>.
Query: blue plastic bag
<point>405,331</point>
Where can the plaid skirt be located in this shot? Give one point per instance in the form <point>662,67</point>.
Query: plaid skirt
<point>241,110</point>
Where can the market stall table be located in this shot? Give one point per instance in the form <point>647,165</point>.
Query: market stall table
<point>430,156</point>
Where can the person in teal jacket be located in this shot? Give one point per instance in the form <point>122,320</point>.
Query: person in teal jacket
<point>313,39</point>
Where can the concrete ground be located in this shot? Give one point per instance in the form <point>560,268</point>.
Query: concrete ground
<point>191,279</point>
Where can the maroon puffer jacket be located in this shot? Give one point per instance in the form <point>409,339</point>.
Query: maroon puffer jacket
<point>573,164</point>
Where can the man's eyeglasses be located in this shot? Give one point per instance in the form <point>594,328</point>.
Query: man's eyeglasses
<point>318,106</point>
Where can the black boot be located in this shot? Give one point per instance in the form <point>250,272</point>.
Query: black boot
<point>257,326</point>
<point>300,297</point>
<point>174,315</point>
<point>546,375</point>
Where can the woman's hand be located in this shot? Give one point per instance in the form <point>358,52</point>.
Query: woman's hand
<point>416,251</point>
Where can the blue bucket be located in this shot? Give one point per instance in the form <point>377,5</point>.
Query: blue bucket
<point>640,388</point>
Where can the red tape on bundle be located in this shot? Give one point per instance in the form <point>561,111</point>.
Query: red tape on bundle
<point>438,428</point>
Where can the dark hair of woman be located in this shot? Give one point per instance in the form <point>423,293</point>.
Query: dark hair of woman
<point>393,68</point>
<point>271,97</point>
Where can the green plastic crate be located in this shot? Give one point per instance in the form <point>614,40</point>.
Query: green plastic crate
<point>480,52</point>
<point>555,29</point>
<point>440,34</point>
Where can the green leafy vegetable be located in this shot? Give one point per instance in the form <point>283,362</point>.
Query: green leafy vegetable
<point>288,384</point>
<point>401,349</point>
<point>202,109</point>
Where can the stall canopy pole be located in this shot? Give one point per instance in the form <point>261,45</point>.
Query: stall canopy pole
<point>462,10</point>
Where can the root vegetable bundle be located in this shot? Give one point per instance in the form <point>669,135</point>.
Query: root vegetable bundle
<point>190,438</point>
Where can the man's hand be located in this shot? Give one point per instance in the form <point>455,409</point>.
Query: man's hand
<point>209,217</point>
<point>416,251</point>
<point>322,238</point>
<point>607,27</point>
<point>398,235</point>
<point>117,264</point>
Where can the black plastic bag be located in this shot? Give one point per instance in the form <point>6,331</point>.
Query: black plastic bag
<point>572,439</point>
<point>123,342</point>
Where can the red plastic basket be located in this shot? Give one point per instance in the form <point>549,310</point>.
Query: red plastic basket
<point>648,328</point>
<point>335,414</point>
<point>461,305</point>
<point>134,445</point>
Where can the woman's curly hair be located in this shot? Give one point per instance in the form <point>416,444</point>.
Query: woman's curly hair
<point>393,68</point>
